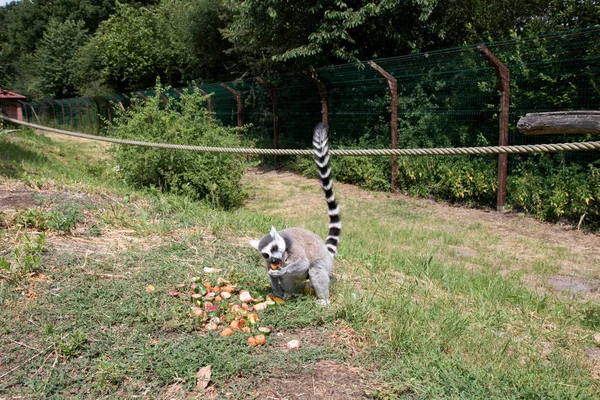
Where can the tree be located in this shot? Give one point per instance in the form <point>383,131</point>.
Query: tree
<point>54,58</point>
<point>128,49</point>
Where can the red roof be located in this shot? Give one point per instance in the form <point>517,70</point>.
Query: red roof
<point>5,94</point>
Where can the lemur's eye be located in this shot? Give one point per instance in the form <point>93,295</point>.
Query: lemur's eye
<point>265,255</point>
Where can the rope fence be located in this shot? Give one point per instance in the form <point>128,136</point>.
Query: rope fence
<point>520,149</point>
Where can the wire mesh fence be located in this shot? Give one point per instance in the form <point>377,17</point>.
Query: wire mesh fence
<point>446,98</point>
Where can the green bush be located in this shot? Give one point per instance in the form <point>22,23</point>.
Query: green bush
<point>201,175</point>
<point>546,186</point>
<point>371,173</point>
<point>459,179</point>
<point>550,188</point>
<point>65,220</point>
<point>25,258</point>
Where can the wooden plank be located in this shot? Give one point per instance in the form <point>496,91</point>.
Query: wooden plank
<point>560,122</point>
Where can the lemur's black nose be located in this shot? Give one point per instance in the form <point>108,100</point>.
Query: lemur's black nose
<point>274,260</point>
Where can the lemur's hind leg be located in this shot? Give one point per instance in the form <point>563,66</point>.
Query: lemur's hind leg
<point>319,279</point>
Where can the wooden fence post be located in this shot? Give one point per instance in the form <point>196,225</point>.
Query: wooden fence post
<point>503,79</point>
<point>393,86</point>
<point>312,74</point>
<point>238,100</point>
<point>273,93</point>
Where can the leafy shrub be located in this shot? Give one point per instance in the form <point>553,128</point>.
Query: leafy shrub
<point>371,173</point>
<point>66,220</point>
<point>57,220</point>
<point>26,257</point>
<point>549,188</point>
<point>456,179</point>
<point>34,218</point>
<point>201,175</point>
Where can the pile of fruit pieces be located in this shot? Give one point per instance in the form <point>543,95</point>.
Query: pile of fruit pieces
<point>223,307</point>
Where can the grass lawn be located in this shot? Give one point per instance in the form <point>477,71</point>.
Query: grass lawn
<point>428,300</point>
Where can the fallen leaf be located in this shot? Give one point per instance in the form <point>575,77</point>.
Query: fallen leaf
<point>203,377</point>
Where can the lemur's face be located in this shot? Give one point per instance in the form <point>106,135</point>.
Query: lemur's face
<point>271,247</point>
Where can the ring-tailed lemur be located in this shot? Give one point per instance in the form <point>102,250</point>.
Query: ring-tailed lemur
<point>304,254</point>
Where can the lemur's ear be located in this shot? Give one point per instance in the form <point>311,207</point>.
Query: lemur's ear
<point>273,232</point>
<point>254,243</point>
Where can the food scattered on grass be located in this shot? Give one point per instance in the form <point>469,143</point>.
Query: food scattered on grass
<point>257,340</point>
<point>226,332</point>
<point>218,305</point>
<point>292,344</point>
<point>274,298</point>
<point>150,288</point>
<point>245,296</point>
<point>264,330</point>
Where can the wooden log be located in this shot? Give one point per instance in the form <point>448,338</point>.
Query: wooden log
<point>561,122</point>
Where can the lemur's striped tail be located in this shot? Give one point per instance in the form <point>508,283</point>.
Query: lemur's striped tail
<point>321,146</point>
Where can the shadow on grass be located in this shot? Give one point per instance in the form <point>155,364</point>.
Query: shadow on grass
<point>14,157</point>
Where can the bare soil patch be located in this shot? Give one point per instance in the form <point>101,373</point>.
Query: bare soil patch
<point>16,199</point>
<point>321,380</point>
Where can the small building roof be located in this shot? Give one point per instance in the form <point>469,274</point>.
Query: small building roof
<point>5,94</point>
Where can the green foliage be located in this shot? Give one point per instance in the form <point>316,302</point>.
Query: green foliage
<point>33,218</point>
<point>551,188</point>
<point>65,220</point>
<point>136,44</point>
<point>55,58</point>
<point>590,316</point>
<point>133,41</point>
<point>61,220</point>
<point>371,173</point>
<point>72,346</point>
<point>25,258</point>
<point>458,179</point>
<point>201,175</point>
<point>128,47</point>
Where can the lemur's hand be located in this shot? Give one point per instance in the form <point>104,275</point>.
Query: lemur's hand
<point>276,273</point>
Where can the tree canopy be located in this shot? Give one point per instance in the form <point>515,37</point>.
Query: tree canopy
<point>85,47</point>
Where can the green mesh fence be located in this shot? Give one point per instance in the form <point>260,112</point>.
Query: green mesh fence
<point>445,98</point>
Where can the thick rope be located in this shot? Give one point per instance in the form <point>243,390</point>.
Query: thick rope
<point>536,148</point>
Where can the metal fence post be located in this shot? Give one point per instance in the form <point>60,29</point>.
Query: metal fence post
<point>393,86</point>
<point>70,114</point>
<point>273,93</point>
<point>503,79</point>
<point>79,112</point>
<point>238,100</point>
<point>87,112</point>
<point>62,107</point>
<point>209,107</point>
<point>109,112</point>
